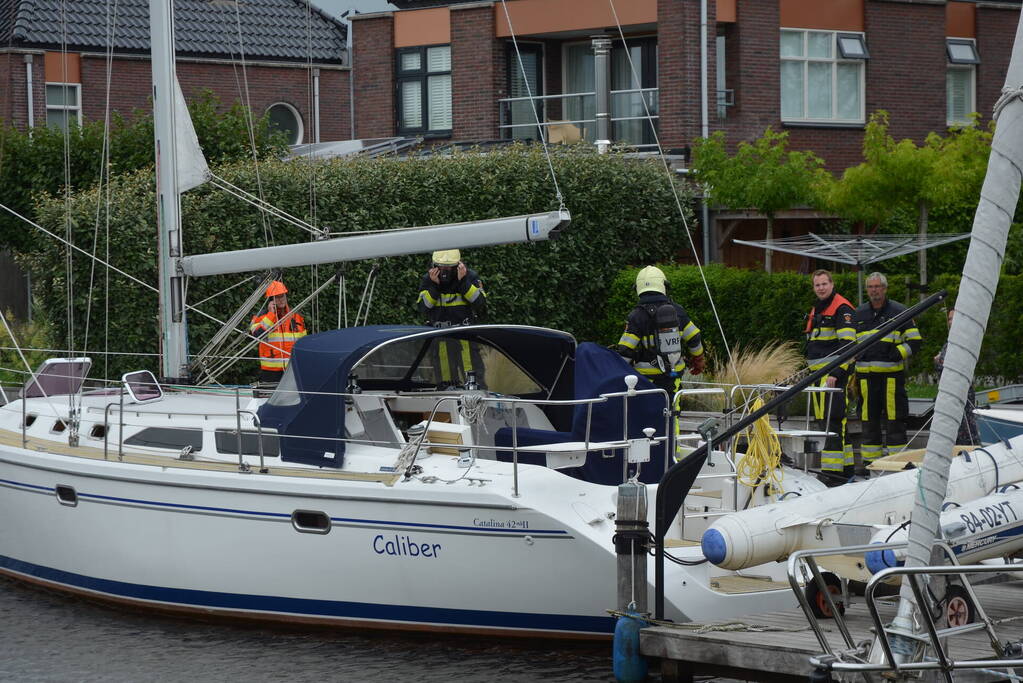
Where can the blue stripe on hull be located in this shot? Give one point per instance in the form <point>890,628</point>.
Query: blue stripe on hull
<point>304,607</point>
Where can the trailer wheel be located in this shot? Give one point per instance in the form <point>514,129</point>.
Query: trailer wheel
<point>818,603</point>
<point>959,608</point>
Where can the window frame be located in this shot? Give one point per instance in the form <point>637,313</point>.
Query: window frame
<point>422,75</point>
<point>511,60</point>
<point>77,109</point>
<point>298,117</point>
<point>949,42</point>
<point>835,59</point>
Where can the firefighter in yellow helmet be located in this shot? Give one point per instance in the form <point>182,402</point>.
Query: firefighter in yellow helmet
<point>451,293</point>
<point>659,338</point>
<point>279,328</point>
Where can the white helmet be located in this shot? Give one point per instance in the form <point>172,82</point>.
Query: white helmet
<point>650,279</point>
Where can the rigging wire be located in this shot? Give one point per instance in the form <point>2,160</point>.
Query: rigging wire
<point>536,115</point>
<point>267,227</point>
<point>674,192</point>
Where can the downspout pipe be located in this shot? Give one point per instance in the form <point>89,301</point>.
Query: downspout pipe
<point>316,105</point>
<point>30,92</point>
<point>602,90</point>
<point>704,125</point>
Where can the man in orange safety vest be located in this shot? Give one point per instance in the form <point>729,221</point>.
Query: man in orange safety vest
<point>279,329</point>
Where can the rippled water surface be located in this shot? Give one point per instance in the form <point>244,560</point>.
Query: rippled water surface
<point>49,637</point>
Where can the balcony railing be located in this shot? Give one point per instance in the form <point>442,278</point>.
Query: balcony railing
<point>571,117</point>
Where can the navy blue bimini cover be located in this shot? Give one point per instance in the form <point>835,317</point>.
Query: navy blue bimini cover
<point>601,371</point>
<point>321,363</point>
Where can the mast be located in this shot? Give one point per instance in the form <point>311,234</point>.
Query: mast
<point>998,199</point>
<point>173,324</point>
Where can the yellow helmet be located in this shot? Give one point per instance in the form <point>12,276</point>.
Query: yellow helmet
<point>650,279</point>
<point>446,257</point>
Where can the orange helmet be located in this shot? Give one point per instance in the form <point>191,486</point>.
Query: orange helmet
<point>276,287</point>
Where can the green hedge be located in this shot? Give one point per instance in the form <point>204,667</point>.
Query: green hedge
<point>623,213</point>
<point>757,308</point>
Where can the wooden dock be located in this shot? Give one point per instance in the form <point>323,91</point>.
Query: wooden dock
<point>783,654</point>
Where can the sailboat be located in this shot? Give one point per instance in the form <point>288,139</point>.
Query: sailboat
<point>368,490</point>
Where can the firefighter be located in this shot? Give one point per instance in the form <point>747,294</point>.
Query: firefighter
<point>278,331</point>
<point>659,337</point>
<point>881,370</point>
<point>451,294</point>
<point>829,328</point>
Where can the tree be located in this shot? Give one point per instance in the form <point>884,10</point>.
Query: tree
<point>37,162</point>
<point>901,175</point>
<point>764,176</point>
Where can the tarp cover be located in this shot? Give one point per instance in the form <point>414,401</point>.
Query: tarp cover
<point>601,371</point>
<point>321,363</point>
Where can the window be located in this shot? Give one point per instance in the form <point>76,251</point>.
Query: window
<point>960,81</point>
<point>286,119</point>
<point>63,104</point>
<point>424,89</point>
<point>525,81</point>
<point>822,76</point>
<point>633,89</point>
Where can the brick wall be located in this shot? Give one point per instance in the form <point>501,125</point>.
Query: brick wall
<point>906,69</point>
<point>477,74</point>
<point>260,87</point>
<point>752,71</point>
<point>373,66</point>
<point>996,31</point>
<point>13,90</point>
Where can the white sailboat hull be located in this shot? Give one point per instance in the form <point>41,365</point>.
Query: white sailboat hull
<point>408,556</point>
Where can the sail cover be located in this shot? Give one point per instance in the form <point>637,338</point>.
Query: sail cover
<point>192,168</point>
<point>309,415</point>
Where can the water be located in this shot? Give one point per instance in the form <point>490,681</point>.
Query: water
<point>46,637</point>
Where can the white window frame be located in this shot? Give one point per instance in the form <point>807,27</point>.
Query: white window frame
<point>77,109</point>
<point>962,65</point>
<point>298,117</point>
<point>835,59</point>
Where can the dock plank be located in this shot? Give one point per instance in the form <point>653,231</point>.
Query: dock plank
<point>783,655</point>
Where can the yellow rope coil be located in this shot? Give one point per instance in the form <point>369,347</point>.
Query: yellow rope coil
<point>761,463</point>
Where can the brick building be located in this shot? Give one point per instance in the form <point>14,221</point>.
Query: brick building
<point>277,56</point>
<point>814,68</point>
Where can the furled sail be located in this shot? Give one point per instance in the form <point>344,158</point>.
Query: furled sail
<point>192,168</point>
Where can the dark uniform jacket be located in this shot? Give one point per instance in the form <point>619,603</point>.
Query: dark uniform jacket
<point>639,343</point>
<point>829,329</point>
<point>892,353</point>
<point>459,302</point>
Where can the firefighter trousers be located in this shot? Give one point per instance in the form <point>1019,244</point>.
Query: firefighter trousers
<point>884,404</point>
<point>837,453</point>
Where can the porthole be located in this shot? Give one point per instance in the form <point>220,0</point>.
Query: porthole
<point>58,426</point>
<point>98,431</point>
<point>285,118</point>
<point>66,495</point>
<point>29,420</point>
<point>310,521</point>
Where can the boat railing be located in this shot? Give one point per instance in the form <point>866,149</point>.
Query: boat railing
<point>803,565</point>
<point>587,442</point>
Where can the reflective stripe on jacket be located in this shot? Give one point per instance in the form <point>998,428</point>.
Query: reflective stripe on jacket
<point>461,302</point>
<point>277,340</point>
<point>891,353</point>
<point>829,330</point>
<point>638,342</point>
